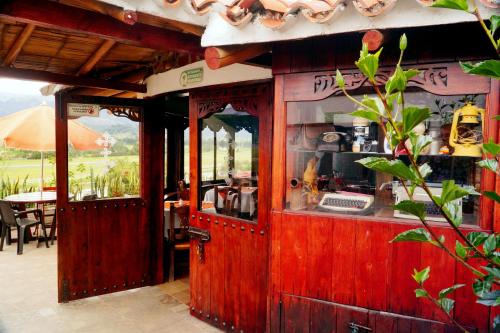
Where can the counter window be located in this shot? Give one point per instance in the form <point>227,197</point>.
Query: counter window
<point>324,142</point>
<point>229,163</point>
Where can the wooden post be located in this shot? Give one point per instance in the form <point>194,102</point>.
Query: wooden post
<point>220,57</point>
<point>374,39</point>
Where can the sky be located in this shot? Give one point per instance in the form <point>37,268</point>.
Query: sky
<point>21,87</point>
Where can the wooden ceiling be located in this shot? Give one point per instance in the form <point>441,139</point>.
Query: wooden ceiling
<point>90,44</point>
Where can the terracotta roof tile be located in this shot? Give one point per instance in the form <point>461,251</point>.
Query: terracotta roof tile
<point>274,14</point>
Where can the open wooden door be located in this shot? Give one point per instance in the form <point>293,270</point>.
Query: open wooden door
<point>230,145</point>
<point>110,218</point>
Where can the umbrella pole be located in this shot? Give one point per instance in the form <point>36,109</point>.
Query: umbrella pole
<point>41,177</point>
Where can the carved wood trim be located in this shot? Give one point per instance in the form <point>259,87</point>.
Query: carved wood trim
<point>243,99</point>
<point>131,112</point>
<point>439,79</point>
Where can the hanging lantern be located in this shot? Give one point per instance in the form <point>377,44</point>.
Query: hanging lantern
<point>466,135</point>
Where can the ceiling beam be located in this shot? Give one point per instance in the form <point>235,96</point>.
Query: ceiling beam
<point>124,15</point>
<point>81,81</point>
<point>18,45</point>
<point>54,15</point>
<point>96,57</point>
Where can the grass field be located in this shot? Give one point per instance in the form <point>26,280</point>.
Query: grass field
<point>32,168</point>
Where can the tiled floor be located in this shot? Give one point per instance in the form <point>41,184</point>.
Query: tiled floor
<point>28,302</point>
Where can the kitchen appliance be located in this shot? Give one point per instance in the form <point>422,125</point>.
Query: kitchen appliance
<point>347,202</point>
<point>466,135</point>
<point>432,211</point>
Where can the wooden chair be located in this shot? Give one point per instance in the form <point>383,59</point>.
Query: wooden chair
<point>178,241</point>
<point>181,193</point>
<point>13,219</point>
<point>229,196</point>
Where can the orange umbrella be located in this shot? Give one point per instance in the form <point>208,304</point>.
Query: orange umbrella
<point>34,129</point>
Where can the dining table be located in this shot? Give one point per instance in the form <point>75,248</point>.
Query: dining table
<point>38,198</point>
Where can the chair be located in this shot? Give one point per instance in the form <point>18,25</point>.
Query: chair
<point>229,196</point>
<point>181,193</point>
<point>177,241</point>
<point>12,219</point>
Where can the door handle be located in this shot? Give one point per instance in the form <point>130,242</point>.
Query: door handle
<point>202,236</point>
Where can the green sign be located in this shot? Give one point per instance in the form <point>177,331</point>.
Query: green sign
<point>190,76</point>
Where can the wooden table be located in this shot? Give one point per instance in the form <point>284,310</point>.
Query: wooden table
<point>37,198</point>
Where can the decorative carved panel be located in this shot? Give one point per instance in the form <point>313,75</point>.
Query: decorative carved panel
<point>130,112</point>
<point>246,98</point>
<point>439,79</point>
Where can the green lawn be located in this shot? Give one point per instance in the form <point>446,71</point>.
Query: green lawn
<point>21,168</point>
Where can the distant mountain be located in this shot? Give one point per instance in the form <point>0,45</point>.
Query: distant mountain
<point>10,103</point>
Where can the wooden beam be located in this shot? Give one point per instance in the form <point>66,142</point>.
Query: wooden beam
<point>82,81</point>
<point>373,39</point>
<point>123,15</point>
<point>18,45</point>
<point>53,15</point>
<point>126,94</point>
<point>96,57</point>
<point>216,57</point>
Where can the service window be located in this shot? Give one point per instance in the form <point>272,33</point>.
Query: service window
<point>229,143</point>
<point>324,142</point>
<point>103,155</point>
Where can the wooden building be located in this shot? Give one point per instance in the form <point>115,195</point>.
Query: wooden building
<point>279,264</point>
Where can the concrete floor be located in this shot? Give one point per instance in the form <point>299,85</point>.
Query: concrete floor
<point>28,301</point>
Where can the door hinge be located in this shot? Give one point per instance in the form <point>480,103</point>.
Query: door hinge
<point>65,291</point>
<point>202,236</point>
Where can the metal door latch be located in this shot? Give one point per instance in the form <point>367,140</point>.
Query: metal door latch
<point>356,328</point>
<point>202,236</point>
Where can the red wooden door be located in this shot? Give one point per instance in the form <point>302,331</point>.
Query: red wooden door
<point>109,245</point>
<point>229,279</point>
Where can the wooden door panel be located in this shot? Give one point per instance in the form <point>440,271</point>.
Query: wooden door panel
<point>107,245</point>
<point>229,289</point>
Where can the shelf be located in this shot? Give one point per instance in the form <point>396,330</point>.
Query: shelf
<point>299,150</point>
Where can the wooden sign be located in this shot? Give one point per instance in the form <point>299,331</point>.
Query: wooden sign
<point>76,110</point>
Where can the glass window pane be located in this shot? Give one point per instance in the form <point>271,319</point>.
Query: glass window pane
<point>103,157</point>
<point>229,160</point>
<point>324,142</point>
<point>186,155</point>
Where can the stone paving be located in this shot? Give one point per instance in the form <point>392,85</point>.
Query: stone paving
<point>28,301</point>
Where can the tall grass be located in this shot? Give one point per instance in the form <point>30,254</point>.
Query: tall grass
<point>10,186</point>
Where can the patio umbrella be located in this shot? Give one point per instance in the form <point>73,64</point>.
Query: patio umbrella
<point>34,129</point>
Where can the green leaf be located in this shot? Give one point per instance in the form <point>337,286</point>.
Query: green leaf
<point>494,23</point>
<point>495,272</point>
<point>340,79</point>
<point>446,304</point>
<point>396,167</point>
<point>497,117</point>
<point>490,299</point>
<point>421,293</point>
<point>411,73</point>
<point>491,148</point>
<point>368,62</point>
<point>397,81</point>
<point>422,276</point>
<point>414,208</point>
<point>403,42</point>
<point>490,68</point>
<point>445,292</point>
<point>452,4</point>
<point>481,287</point>
<point>460,250</point>
<point>492,195</point>
<point>490,244</point>
<point>451,192</point>
<point>414,115</point>
<point>425,170</point>
<point>367,114</point>
<point>413,235</point>
<point>477,238</point>
<point>489,164</point>
<point>453,212</point>
<point>418,143</point>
